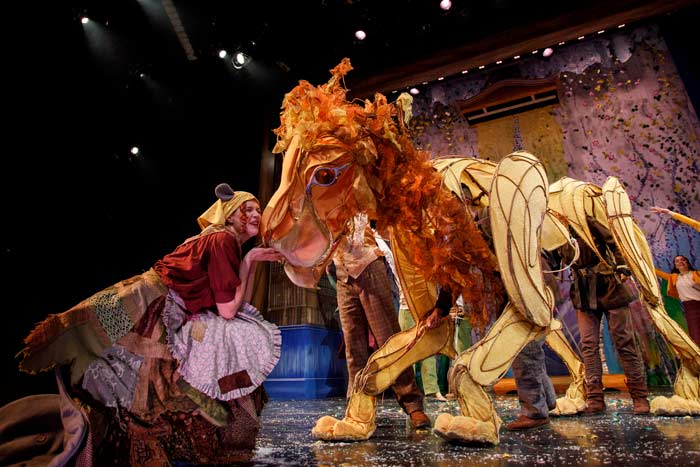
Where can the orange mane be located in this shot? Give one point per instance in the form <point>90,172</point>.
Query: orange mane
<point>445,243</point>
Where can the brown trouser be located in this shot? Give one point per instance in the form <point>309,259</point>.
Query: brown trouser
<point>622,333</point>
<point>691,311</point>
<point>366,304</point>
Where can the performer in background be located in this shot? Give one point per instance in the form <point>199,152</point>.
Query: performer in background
<point>598,289</point>
<point>365,304</point>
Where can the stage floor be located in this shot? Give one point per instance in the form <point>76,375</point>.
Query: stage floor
<point>617,438</point>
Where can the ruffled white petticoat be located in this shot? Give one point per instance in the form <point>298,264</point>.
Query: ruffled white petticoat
<point>225,359</point>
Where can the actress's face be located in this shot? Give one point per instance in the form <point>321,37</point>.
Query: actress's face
<point>246,219</point>
<point>681,263</point>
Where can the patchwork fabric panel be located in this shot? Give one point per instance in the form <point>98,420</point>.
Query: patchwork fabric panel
<point>198,331</point>
<point>111,313</point>
<point>149,320</point>
<point>112,378</point>
<point>237,380</point>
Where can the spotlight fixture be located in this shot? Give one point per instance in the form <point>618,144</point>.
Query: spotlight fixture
<point>240,59</point>
<point>441,78</point>
<point>547,52</point>
<point>360,35</point>
<point>222,53</point>
<point>135,150</point>
<point>516,57</point>
<point>85,20</point>
<point>414,91</point>
<point>464,72</point>
<point>498,62</point>
<point>445,4</point>
<point>621,25</point>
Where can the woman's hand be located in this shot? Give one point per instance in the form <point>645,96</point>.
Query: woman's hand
<point>263,254</point>
<point>659,210</point>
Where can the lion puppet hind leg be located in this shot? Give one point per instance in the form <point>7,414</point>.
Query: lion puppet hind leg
<point>482,365</point>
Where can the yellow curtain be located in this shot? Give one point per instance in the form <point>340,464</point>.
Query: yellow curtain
<point>495,138</point>
<point>541,136</point>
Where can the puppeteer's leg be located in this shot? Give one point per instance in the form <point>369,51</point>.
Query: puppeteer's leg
<point>622,333</point>
<point>589,327</point>
<point>574,401</point>
<point>355,329</point>
<point>535,389</point>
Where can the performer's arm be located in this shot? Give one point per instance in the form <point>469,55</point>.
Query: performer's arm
<point>440,310</point>
<point>679,217</point>
<point>663,274</point>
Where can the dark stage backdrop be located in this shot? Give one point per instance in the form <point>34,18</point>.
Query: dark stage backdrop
<point>81,212</point>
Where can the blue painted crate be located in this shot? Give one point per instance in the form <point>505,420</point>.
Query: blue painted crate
<point>309,367</point>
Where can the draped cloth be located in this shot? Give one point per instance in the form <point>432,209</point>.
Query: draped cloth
<point>121,354</point>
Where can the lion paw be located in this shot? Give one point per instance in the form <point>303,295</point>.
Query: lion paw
<point>331,429</point>
<point>465,429</point>
<point>675,406</point>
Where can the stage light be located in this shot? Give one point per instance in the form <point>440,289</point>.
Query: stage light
<point>222,53</point>
<point>135,150</point>
<point>445,4</point>
<point>85,20</point>
<point>547,52</point>
<point>414,91</point>
<point>240,59</point>
<point>360,35</point>
<point>516,57</point>
<point>441,78</point>
<point>499,62</point>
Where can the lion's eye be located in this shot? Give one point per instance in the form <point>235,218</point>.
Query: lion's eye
<point>325,176</point>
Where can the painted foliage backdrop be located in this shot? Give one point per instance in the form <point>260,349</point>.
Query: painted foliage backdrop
<point>623,112</point>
